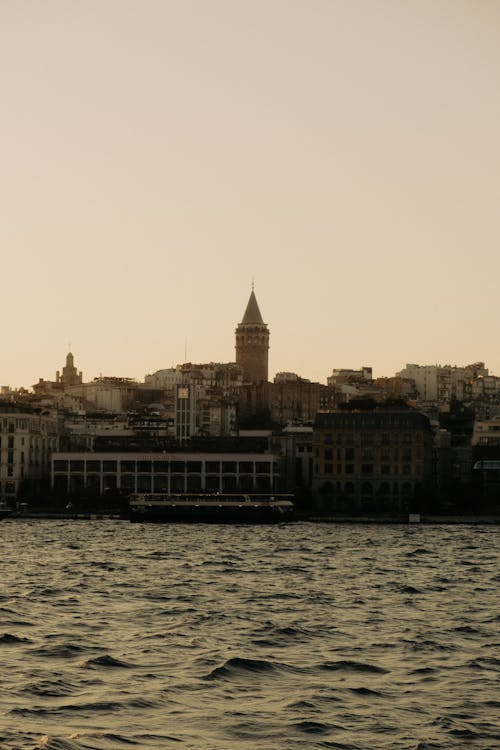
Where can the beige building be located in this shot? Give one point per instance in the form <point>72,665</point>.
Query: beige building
<point>441,384</point>
<point>486,432</point>
<point>27,440</point>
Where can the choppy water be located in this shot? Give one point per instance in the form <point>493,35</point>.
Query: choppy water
<point>115,635</point>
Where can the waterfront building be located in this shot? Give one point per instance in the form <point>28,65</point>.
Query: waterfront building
<point>252,344</point>
<point>379,459</point>
<point>101,473</point>
<point>27,440</point>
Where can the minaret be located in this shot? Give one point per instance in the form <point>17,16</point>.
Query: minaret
<point>252,344</point>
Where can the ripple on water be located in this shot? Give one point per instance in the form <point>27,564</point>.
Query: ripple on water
<point>211,638</point>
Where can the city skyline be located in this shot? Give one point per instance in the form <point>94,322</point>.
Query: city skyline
<point>157,158</point>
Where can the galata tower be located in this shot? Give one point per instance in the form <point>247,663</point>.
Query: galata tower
<point>252,344</point>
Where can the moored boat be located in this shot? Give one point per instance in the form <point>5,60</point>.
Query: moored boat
<point>210,508</point>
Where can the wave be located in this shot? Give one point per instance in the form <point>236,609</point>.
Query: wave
<point>50,688</point>
<point>61,651</point>
<point>366,691</point>
<point>241,666</point>
<point>279,636</point>
<point>106,661</point>
<point>419,551</point>
<point>8,638</point>
<point>312,727</point>
<point>351,666</point>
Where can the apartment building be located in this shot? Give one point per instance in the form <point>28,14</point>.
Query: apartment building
<point>27,440</point>
<point>380,458</point>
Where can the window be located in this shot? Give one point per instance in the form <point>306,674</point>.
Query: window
<point>143,483</point>
<point>93,482</point>
<point>60,466</point>
<point>91,465</point>
<point>128,482</point>
<point>125,466</point>
<point>143,466</point>
<point>160,483</point>
<point>76,465</point>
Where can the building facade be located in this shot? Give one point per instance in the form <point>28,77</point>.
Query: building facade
<point>380,459</point>
<point>27,440</point>
<point>110,472</point>
<point>441,384</point>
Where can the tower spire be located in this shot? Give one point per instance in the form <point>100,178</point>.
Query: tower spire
<point>252,343</point>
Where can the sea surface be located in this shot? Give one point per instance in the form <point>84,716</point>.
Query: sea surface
<point>116,635</point>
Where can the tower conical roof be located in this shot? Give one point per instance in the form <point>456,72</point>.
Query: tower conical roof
<point>252,314</point>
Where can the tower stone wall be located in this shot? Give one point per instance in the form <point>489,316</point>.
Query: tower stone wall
<point>252,344</point>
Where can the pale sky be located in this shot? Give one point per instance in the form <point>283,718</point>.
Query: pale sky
<point>156,155</point>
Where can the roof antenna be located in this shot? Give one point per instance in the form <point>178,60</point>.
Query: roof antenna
<point>253,283</point>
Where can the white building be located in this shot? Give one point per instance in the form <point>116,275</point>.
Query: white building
<point>164,378</point>
<point>441,383</point>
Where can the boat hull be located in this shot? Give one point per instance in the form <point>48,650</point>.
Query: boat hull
<point>247,511</point>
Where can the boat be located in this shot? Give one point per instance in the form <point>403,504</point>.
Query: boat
<point>210,508</point>
<point>5,511</point>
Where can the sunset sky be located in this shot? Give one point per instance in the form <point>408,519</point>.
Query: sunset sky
<point>158,155</point>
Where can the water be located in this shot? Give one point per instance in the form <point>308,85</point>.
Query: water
<point>117,635</point>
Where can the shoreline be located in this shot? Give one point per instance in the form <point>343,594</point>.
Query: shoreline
<point>423,520</point>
